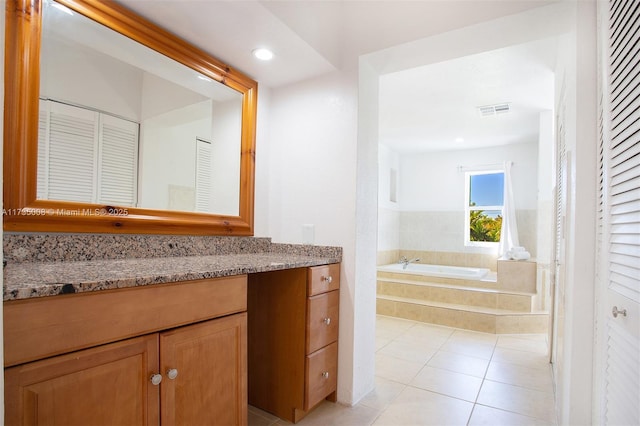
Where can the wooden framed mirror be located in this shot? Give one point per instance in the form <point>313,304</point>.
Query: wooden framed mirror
<point>27,208</point>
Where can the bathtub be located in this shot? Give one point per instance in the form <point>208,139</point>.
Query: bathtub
<point>459,272</point>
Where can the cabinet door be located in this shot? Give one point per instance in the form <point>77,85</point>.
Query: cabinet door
<point>210,360</point>
<point>105,385</point>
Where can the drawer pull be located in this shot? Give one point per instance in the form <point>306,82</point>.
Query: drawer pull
<point>172,373</point>
<point>328,279</point>
<point>156,379</point>
<point>327,321</point>
<point>325,374</point>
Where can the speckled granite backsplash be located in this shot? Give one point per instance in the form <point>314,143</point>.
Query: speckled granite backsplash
<point>19,248</point>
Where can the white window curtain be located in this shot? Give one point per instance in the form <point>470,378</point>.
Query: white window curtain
<point>509,230</point>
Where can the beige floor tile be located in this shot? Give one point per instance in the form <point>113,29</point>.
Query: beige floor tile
<point>396,369</point>
<point>450,383</point>
<point>381,342</point>
<point>329,413</point>
<point>540,337</point>
<point>525,358</point>
<point>519,400</point>
<point>419,407</point>
<point>475,336</point>
<point>522,344</point>
<point>390,326</point>
<point>431,330</point>
<point>259,417</point>
<point>433,336</point>
<point>417,351</point>
<point>469,347</point>
<point>517,389</point>
<point>488,416</point>
<point>519,375</point>
<point>388,335</point>
<point>384,393</point>
<point>459,363</point>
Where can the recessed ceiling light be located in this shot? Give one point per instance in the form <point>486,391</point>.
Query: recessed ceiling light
<point>262,54</point>
<point>459,140</point>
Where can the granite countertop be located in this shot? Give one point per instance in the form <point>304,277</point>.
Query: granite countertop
<point>39,279</point>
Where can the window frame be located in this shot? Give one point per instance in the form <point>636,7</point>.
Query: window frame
<point>467,208</point>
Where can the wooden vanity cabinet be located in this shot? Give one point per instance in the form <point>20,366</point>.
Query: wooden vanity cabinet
<point>201,367</point>
<point>211,383</point>
<point>100,386</point>
<point>293,339</point>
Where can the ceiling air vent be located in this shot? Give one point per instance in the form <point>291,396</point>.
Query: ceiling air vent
<point>488,110</point>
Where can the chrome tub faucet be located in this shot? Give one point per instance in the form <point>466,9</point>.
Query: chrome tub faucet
<point>405,262</point>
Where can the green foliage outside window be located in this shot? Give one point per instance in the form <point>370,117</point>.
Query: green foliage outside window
<point>484,227</point>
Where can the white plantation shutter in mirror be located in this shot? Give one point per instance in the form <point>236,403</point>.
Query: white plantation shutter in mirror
<point>43,152</point>
<point>203,175</point>
<point>72,153</point>
<point>619,227</point>
<point>118,164</point>
<point>86,156</point>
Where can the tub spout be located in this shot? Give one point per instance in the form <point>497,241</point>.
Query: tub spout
<point>405,262</point>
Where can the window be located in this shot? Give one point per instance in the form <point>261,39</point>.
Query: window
<point>484,195</point>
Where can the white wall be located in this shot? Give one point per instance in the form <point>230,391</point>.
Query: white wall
<point>366,236</point>
<point>546,183</point>
<point>388,211</point>
<point>113,86</point>
<point>159,96</point>
<point>312,142</point>
<point>168,157</point>
<point>432,181</point>
<point>575,383</point>
<point>545,222</point>
<point>432,196</point>
<point>226,134</point>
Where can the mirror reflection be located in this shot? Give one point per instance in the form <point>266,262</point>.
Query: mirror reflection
<point>121,124</point>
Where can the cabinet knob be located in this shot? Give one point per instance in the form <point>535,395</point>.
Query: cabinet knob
<point>156,379</point>
<point>328,279</point>
<point>325,374</point>
<point>327,321</point>
<point>172,373</point>
<point>615,311</point>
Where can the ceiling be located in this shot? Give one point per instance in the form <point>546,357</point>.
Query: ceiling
<point>435,107</point>
<point>313,37</point>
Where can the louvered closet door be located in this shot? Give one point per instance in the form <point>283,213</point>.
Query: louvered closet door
<point>204,188</point>
<point>72,153</point>
<point>87,156</point>
<point>619,236</point>
<point>118,161</point>
<point>43,152</point>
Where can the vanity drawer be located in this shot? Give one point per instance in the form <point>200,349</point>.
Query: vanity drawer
<point>321,375</point>
<point>323,278</point>
<point>322,320</point>
<point>46,326</point>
